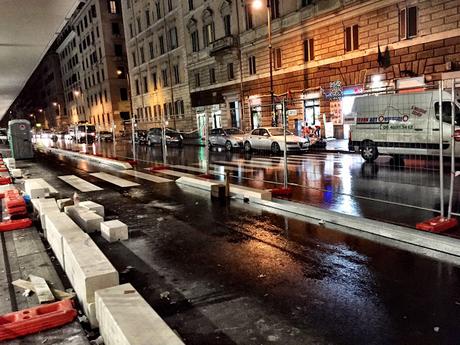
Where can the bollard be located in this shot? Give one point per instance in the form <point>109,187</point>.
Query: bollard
<point>227,184</point>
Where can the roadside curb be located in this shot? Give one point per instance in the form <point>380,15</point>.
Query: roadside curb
<point>110,163</point>
<point>413,240</point>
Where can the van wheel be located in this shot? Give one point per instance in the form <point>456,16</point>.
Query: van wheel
<point>247,146</point>
<point>369,151</point>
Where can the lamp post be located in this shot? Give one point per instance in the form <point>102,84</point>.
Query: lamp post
<point>257,5</point>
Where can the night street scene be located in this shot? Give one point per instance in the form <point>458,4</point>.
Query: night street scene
<point>230,172</point>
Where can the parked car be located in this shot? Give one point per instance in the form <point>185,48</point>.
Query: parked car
<point>140,137</point>
<point>154,136</point>
<point>105,136</point>
<point>272,138</point>
<point>229,138</point>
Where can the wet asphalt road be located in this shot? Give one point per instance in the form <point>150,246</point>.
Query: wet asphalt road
<point>402,193</point>
<point>232,274</point>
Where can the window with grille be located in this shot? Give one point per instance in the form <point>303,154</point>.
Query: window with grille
<point>408,22</point>
<point>252,65</point>
<point>308,50</point>
<point>351,38</point>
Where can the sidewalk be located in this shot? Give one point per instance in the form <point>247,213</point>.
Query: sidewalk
<point>22,253</point>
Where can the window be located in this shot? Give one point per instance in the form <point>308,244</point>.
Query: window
<point>308,52</point>
<point>158,9</point>
<point>131,32</point>
<point>147,17</point>
<point>170,6</point>
<point>85,19</point>
<point>139,26</point>
<point>93,11</point>
<point>118,48</point>
<point>164,75</point>
<point>162,44</point>
<point>137,87</point>
<point>197,80</point>
<point>249,17</point>
<point>105,96</point>
<point>195,41</point>
<point>208,34</point>
<point>134,59</point>
<point>212,75</point>
<point>179,107</point>
<point>230,73</point>
<point>190,5</point>
<point>113,7</point>
<point>408,22</point>
<point>227,25</point>
<point>115,29</point>
<point>154,81</point>
<point>176,74</point>
<point>277,58</point>
<point>351,38</point>
<point>275,9</point>
<point>252,65</point>
<point>306,2</point>
<point>151,50</point>
<point>173,38</point>
<point>447,112</point>
<point>141,53</point>
<point>146,85</point>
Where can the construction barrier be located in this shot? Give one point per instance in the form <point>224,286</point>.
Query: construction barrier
<point>17,224</point>
<point>36,319</point>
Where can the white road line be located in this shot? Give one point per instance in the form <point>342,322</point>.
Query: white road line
<point>224,167</point>
<point>118,181</point>
<point>245,163</point>
<point>186,167</point>
<point>80,184</point>
<point>145,176</point>
<point>173,173</point>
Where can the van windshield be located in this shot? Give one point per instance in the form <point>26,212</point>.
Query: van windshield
<point>447,112</point>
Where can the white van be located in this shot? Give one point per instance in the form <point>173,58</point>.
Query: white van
<point>401,124</point>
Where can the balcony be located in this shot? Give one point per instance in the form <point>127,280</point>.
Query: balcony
<point>219,46</point>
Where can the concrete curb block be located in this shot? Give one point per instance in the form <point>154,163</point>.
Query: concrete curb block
<point>238,192</point>
<point>430,241</point>
<point>125,318</point>
<point>110,163</point>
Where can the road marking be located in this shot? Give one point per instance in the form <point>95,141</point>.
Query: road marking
<point>80,184</point>
<point>245,163</point>
<point>173,173</point>
<point>118,181</point>
<point>145,176</point>
<point>220,167</point>
<point>185,167</point>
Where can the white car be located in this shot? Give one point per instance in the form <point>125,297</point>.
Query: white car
<point>229,138</point>
<point>272,138</point>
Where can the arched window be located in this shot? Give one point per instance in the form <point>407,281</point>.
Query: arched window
<point>208,27</point>
<point>225,12</point>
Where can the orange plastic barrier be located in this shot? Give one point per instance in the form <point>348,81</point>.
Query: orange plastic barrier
<point>5,180</point>
<point>37,319</point>
<point>437,224</point>
<point>17,224</point>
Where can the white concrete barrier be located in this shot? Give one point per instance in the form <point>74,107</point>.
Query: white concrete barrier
<point>51,190</point>
<point>93,206</point>
<point>125,318</point>
<point>88,270</point>
<point>46,206</point>
<point>10,163</point>
<point>61,203</point>
<point>114,230</point>
<point>88,220</point>
<point>34,189</point>
<point>235,190</point>
<point>60,225</point>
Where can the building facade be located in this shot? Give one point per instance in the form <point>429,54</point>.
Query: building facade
<point>157,63</point>
<point>93,64</point>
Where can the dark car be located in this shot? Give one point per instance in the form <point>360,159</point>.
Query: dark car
<point>155,135</point>
<point>105,136</point>
<point>140,137</point>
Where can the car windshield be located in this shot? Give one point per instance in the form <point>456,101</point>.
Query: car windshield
<point>233,131</point>
<point>278,131</point>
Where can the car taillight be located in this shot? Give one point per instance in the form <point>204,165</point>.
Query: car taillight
<point>457,135</point>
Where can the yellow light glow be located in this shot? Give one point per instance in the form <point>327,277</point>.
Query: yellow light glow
<point>257,4</point>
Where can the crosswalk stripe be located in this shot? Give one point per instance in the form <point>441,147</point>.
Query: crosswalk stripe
<point>173,173</point>
<point>80,184</point>
<point>145,176</point>
<point>118,181</point>
<point>244,163</point>
<point>220,167</point>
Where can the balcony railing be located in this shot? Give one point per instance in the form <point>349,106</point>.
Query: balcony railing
<point>222,44</point>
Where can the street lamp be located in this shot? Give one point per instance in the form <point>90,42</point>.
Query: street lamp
<point>257,5</point>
